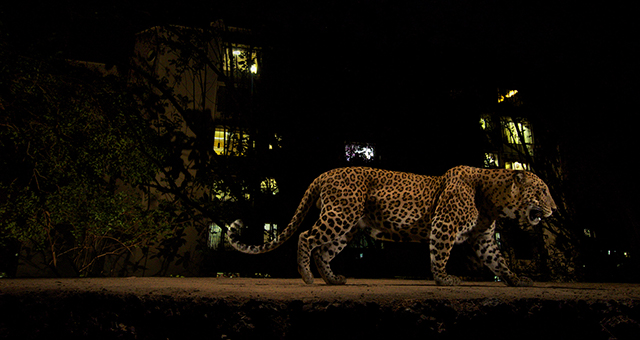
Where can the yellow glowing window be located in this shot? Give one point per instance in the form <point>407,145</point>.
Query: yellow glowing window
<point>241,58</point>
<point>230,142</point>
<point>219,141</point>
<point>484,123</point>
<point>517,132</point>
<point>269,185</point>
<point>491,160</point>
<point>517,166</point>
<point>509,94</point>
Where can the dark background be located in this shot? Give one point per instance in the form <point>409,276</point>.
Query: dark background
<point>383,72</point>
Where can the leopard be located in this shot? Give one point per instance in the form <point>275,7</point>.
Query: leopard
<point>462,205</point>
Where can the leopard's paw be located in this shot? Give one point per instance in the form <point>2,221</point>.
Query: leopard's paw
<point>306,275</point>
<point>337,280</point>
<point>523,281</point>
<point>519,281</point>
<point>447,280</point>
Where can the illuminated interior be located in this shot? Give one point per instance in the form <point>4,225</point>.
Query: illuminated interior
<point>359,151</point>
<point>510,138</point>
<point>216,239</point>
<point>517,166</point>
<point>270,232</point>
<point>509,94</point>
<point>269,185</point>
<point>241,59</point>
<point>229,143</point>
<point>517,132</point>
<point>491,160</point>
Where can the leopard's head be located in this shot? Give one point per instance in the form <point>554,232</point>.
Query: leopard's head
<point>531,199</point>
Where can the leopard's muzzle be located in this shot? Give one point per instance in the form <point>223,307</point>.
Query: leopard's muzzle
<point>535,215</point>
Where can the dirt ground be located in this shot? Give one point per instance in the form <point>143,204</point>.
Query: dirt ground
<point>243,308</point>
<point>379,290</point>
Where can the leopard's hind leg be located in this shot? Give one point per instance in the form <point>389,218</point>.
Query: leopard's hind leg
<point>325,253</point>
<point>304,258</point>
<point>328,237</point>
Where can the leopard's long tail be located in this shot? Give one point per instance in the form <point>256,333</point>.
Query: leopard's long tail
<point>310,196</point>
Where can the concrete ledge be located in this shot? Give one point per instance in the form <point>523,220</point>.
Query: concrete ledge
<point>178,308</point>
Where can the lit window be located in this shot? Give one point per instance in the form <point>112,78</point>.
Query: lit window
<point>216,240</point>
<point>223,195</point>
<point>276,142</point>
<point>509,94</point>
<point>269,185</point>
<point>219,140</point>
<point>242,59</point>
<point>517,166</point>
<point>270,232</point>
<point>359,152</point>
<point>518,132</point>
<point>491,160</point>
<point>230,143</point>
<point>485,122</point>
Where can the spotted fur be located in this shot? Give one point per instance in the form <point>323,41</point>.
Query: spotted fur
<point>462,205</point>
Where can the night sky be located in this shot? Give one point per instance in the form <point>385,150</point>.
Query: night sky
<point>369,70</point>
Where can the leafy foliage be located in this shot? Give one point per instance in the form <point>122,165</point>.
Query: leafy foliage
<point>507,129</point>
<point>75,155</point>
<point>183,69</point>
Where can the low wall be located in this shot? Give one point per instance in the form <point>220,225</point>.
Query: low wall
<point>181,308</point>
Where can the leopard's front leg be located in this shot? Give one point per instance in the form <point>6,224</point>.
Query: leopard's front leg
<point>486,248</point>
<point>440,246</point>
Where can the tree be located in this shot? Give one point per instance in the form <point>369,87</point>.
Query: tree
<point>516,137</point>
<point>95,165</point>
<point>203,103</point>
<point>75,154</point>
